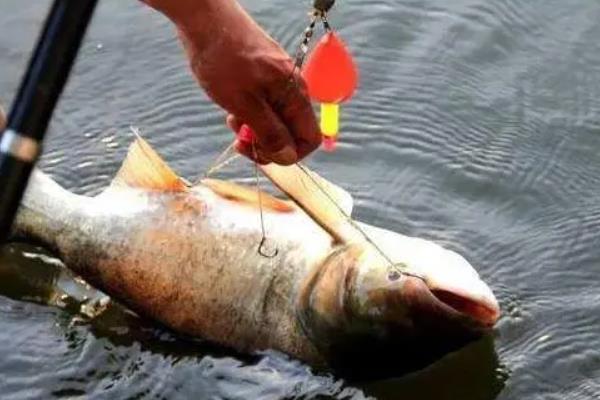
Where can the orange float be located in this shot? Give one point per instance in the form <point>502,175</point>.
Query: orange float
<point>331,78</point>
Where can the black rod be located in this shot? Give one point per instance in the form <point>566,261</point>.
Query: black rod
<point>44,80</point>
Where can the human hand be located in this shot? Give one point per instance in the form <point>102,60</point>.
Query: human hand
<point>248,74</point>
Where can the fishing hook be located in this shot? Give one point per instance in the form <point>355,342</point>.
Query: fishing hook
<point>263,239</point>
<point>263,252</point>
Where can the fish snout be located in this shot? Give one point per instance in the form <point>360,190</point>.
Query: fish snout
<point>457,287</point>
<point>432,287</point>
<point>451,308</point>
<point>411,303</point>
<point>476,302</point>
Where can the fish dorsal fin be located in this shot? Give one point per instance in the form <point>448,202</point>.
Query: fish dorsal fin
<point>2,118</point>
<point>244,194</point>
<point>327,204</point>
<point>144,168</point>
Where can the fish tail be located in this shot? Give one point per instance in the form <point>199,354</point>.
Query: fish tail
<point>44,211</point>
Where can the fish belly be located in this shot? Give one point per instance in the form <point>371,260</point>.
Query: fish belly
<point>198,269</point>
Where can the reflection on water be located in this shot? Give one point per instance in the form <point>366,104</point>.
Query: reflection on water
<point>476,125</point>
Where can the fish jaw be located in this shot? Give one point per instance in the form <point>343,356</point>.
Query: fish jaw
<point>469,297</point>
<point>443,277</point>
<point>457,287</point>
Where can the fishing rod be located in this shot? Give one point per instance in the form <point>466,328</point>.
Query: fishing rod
<point>40,89</point>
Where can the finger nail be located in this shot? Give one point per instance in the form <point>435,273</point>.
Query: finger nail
<point>285,156</point>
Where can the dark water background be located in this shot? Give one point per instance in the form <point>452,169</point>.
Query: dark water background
<point>477,125</point>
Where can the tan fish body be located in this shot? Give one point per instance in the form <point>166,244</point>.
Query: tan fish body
<point>187,257</point>
<point>2,118</point>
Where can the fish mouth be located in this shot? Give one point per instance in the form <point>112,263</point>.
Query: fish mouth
<point>483,309</point>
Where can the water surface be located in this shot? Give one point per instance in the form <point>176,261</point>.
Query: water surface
<point>476,125</point>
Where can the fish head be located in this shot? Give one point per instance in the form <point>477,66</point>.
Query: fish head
<point>405,297</point>
<point>422,280</point>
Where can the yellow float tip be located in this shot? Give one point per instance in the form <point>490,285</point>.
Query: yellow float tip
<point>330,119</point>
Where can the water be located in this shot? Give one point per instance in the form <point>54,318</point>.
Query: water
<point>476,125</point>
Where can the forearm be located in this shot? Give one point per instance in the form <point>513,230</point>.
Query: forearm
<point>247,73</point>
<point>180,10</point>
<point>204,20</point>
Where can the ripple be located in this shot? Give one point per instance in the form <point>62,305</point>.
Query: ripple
<point>475,125</point>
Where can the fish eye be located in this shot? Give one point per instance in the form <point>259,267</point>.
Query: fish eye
<point>394,275</point>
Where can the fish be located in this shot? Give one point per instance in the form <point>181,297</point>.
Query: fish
<point>336,293</point>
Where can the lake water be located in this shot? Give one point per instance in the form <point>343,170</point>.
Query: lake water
<point>477,125</point>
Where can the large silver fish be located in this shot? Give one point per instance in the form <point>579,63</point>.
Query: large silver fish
<point>187,256</point>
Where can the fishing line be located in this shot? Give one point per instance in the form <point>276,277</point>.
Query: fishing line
<point>396,267</point>
<point>263,238</point>
<point>319,13</point>
<point>222,160</point>
<point>320,9</point>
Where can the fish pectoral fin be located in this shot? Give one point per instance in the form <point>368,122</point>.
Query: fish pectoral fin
<point>326,203</point>
<point>235,192</point>
<point>144,168</point>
